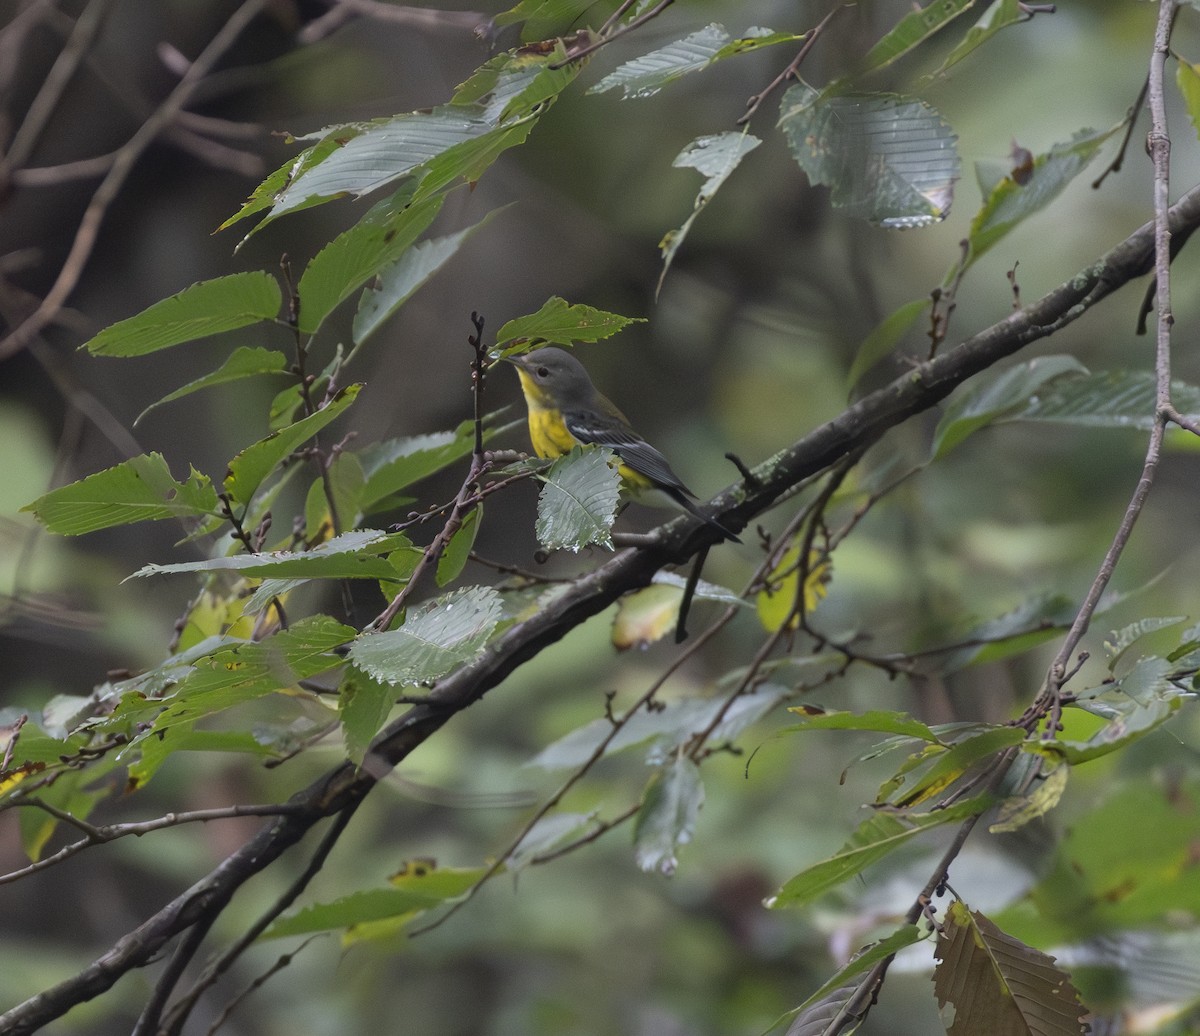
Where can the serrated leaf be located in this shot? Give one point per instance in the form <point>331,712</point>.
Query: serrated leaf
<point>1127,721</point>
<point>139,490</point>
<point>400,280</point>
<point>877,837</point>
<point>912,30</point>
<point>458,550</point>
<point>243,362</point>
<point>363,707</point>
<point>999,16</point>
<point>361,554</point>
<point>223,675</point>
<point>402,900</point>
<point>668,728</point>
<point>985,400</point>
<point>715,156</point>
<point>1009,203</point>
<point>1107,399</point>
<point>206,308</point>
<point>544,18</point>
<point>264,195</point>
<point>578,502</point>
<point>887,159</point>
<point>352,258</point>
<point>883,338</point>
<point>558,322</point>
<point>437,637</point>
<point>250,467</point>
<point>667,817</point>
<point>646,75</point>
<point>987,981</point>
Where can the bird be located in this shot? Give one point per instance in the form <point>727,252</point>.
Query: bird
<point>566,410</point>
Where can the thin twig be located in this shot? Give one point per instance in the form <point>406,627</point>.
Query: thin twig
<point>1160,152</point>
<point>114,180</point>
<point>755,102</point>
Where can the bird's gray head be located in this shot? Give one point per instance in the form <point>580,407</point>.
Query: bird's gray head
<point>555,375</point>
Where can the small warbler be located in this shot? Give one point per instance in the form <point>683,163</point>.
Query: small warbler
<point>565,411</point>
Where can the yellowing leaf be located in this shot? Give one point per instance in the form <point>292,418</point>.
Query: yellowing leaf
<point>776,603</point>
<point>645,616</point>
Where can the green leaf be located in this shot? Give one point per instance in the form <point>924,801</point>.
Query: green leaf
<point>941,766</point>
<point>912,30</point>
<point>544,18</point>
<point>1009,203</point>
<point>1097,884</point>
<point>511,85</point>
<point>437,637</point>
<point>578,502</point>
<point>1034,621</point>
<point>361,554</point>
<point>900,723</point>
<point>1107,399</point>
<point>399,281</point>
<point>154,751</point>
<point>458,550</point>
<point>866,958</point>
<point>231,674</point>
<point>250,467</point>
<point>363,706</point>
<point>987,981</point>
<point>667,817</point>
<point>986,399</point>
<point>404,901</point>
<point>1016,812</point>
<point>265,193</point>
<point>243,362</point>
<point>1120,641</point>
<point>560,323</point>
<point>1187,78</point>
<point>139,490</point>
<point>999,16</point>
<point>882,340</point>
<point>399,463</point>
<point>346,482</point>
<point>204,309</point>
<point>645,76</point>
<point>715,156</point>
<point>355,256</point>
<point>877,837</point>
<point>887,159</point>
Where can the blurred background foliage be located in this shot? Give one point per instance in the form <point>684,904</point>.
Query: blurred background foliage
<point>747,348</point>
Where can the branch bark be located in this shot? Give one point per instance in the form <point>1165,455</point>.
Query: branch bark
<point>345,786</point>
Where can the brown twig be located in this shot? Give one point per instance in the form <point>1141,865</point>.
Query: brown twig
<point>118,173</point>
<point>755,102</point>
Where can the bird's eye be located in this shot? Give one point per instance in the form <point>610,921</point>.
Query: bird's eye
<point>543,372</point>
